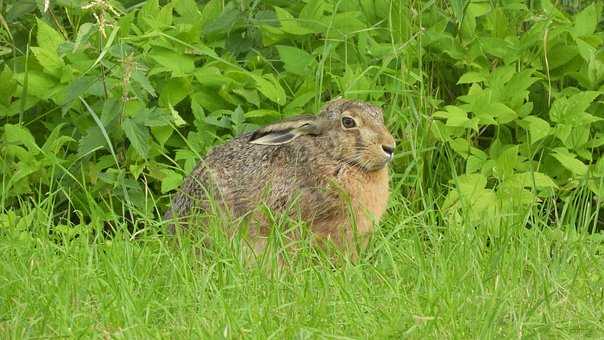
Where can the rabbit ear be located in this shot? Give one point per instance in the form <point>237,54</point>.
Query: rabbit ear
<point>285,132</point>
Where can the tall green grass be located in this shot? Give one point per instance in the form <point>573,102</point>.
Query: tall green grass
<point>417,279</point>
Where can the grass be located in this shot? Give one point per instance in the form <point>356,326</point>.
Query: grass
<point>416,280</point>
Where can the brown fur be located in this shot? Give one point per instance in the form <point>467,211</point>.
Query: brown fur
<point>335,178</point>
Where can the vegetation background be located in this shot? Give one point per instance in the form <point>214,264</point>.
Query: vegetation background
<point>493,229</point>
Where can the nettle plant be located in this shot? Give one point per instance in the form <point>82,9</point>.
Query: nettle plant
<point>529,122</point>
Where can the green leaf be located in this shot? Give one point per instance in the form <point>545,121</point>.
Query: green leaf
<point>19,135</point>
<point>586,51</point>
<point>225,22</point>
<point>153,117</point>
<point>91,141</point>
<point>537,128</point>
<point>48,39</point>
<point>289,24</point>
<point>501,112</point>
<point>506,162</point>
<point>138,135</point>
<point>141,79</point>
<point>211,76</point>
<point>170,181</point>
<point>262,113</point>
<point>55,140</point>
<point>471,77</point>
<point>455,116</point>
<point>270,88</point>
<point>570,162</point>
<point>8,86</point>
<point>173,91</point>
<point>77,88</point>
<point>459,7</point>
<point>49,60</point>
<point>587,20</point>
<point>465,149</point>
<point>84,33</point>
<point>296,61</point>
<point>538,180</point>
<point>571,110</point>
<point>178,63</point>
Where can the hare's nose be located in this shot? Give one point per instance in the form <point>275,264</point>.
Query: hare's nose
<point>388,149</point>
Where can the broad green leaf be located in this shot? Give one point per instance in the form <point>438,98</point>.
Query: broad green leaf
<point>210,11</point>
<point>225,21</point>
<point>459,7</point>
<point>84,33</point>
<point>55,140</point>
<point>8,86</point>
<point>586,51</point>
<point>138,135</point>
<point>587,20</point>
<point>571,110</point>
<point>470,183</point>
<point>471,77</point>
<point>270,88</point>
<point>49,60</point>
<point>173,91</point>
<point>296,61</point>
<point>348,22</point>
<point>162,133</point>
<point>48,39</point>
<point>187,8</point>
<point>251,96</point>
<point>141,79</point>
<point>312,15</point>
<point>136,169</point>
<point>299,101</point>
<point>455,116</point>
<point>153,117</point>
<point>19,135</point>
<point>538,180</point>
<point>289,24</point>
<point>208,100</point>
<point>537,128</point>
<point>92,140</point>
<point>501,112</point>
<point>506,162</point>
<point>211,76</point>
<point>178,63</point>
<point>40,84</point>
<point>170,181</point>
<point>77,88</point>
<point>570,162</point>
<point>465,149</point>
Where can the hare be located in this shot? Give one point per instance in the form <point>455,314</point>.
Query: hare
<point>332,167</point>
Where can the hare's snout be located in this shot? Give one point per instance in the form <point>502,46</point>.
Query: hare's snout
<point>388,150</point>
<point>388,144</point>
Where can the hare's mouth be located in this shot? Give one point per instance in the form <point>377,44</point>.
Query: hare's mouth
<point>370,165</point>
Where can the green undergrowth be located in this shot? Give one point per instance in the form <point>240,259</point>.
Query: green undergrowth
<point>494,222</point>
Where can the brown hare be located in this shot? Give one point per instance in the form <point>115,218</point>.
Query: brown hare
<point>329,170</point>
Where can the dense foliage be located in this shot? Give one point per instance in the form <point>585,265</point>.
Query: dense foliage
<point>107,105</point>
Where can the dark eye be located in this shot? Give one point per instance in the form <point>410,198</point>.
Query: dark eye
<point>348,122</point>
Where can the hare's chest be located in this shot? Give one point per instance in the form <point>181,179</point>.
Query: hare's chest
<point>367,194</point>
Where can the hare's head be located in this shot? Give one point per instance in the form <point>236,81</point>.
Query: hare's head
<point>350,131</point>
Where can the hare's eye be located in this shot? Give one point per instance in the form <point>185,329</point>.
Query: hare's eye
<point>348,122</point>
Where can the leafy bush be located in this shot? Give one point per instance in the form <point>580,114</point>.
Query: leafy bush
<point>107,105</point>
